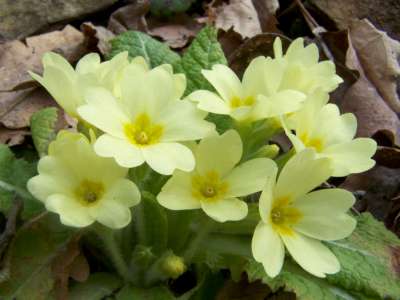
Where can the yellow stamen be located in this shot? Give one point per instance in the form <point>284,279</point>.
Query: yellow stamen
<point>283,216</point>
<point>316,143</point>
<point>142,132</point>
<point>236,102</point>
<point>209,187</point>
<point>89,192</point>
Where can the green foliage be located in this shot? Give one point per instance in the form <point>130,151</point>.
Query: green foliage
<point>203,53</point>
<point>168,7</point>
<point>368,271</point>
<point>96,287</point>
<point>30,256</point>
<point>43,123</point>
<point>14,174</point>
<point>140,44</point>
<point>151,224</point>
<point>156,293</point>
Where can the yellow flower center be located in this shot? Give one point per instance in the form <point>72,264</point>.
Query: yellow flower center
<point>142,131</point>
<point>238,102</point>
<point>89,192</point>
<point>209,187</point>
<point>283,216</point>
<point>316,143</point>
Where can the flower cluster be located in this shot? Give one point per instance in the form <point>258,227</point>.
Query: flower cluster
<point>138,117</point>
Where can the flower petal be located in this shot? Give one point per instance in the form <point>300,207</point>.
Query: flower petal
<point>219,153</point>
<point>324,214</point>
<point>70,211</point>
<point>209,101</point>
<point>182,121</point>
<point>103,111</point>
<point>302,173</point>
<point>111,213</point>
<point>223,210</point>
<point>352,157</point>
<point>164,158</point>
<point>311,255</point>
<point>249,177</point>
<point>125,154</point>
<point>225,81</point>
<point>268,249</point>
<point>124,191</point>
<point>43,186</point>
<point>89,63</point>
<point>267,197</point>
<point>176,194</point>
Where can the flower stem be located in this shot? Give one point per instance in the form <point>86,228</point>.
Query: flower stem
<point>112,249</point>
<point>194,243</point>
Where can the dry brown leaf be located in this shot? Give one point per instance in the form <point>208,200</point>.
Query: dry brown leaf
<point>383,13</point>
<point>129,17</point>
<point>13,137</point>
<point>70,263</point>
<point>175,32</point>
<point>388,157</point>
<point>239,15</point>
<point>16,58</point>
<point>363,99</point>
<point>98,37</point>
<point>378,53</point>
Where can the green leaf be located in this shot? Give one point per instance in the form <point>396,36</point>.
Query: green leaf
<point>41,286</point>
<point>151,224</point>
<point>203,53</point>
<point>369,260</point>
<point>31,253</point>
<point>369,268</point>
<point>14,174</point>
<point>140,44</point>
<point>179,228</point>
<point>96,287</point>
<point>43,125</point>
<point>134,293</point>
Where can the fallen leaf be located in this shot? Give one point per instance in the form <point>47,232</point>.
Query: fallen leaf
<point>175,32</point>
<point>363,99</point>
<point>243,290</point>
<point>16,58</point>
<point>266,10</point>
<point>98,38</point>
<point>239,15</point>
<point>388,157</point>
<point>12,137</point>
<point>19,19</point>
<point>378,53</point>
<point>129,17</point>
<point>379,186</point>
<point>383,13</point>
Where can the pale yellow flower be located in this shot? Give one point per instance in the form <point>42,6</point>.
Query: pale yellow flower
<point>149,121</point>
<point>321,126</point>
<point>82,187</point>
<point>295,218</point>
<point>302,71</point>
<point>218,180</point>
<point>257,96</point>
<point>68,85</point>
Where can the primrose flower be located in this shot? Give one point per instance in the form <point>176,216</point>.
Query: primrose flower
<point>331,135</point>
<point>295,218</point>
<point>255,97</point>
<point>302,71</point>
<point>82,187</point>
<point>217,181</point>
<point>67,86</point>
<point>148,122</point>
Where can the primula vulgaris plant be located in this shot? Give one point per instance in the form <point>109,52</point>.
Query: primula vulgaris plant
<point>139,123</point>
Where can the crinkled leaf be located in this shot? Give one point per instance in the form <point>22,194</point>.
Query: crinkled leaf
<point>151,224</point>
<point>43,123</point>
<point>168,7</point>
<point>14,173</point>
<point>203,53</point>
<point>140,44</point>
<point>97,287</point>
<point>134,293</point>
<point>369,268</point>
<point>30,254</point>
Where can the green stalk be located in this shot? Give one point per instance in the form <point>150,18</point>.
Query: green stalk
<point>112,249</point>
<point>194,243</point>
